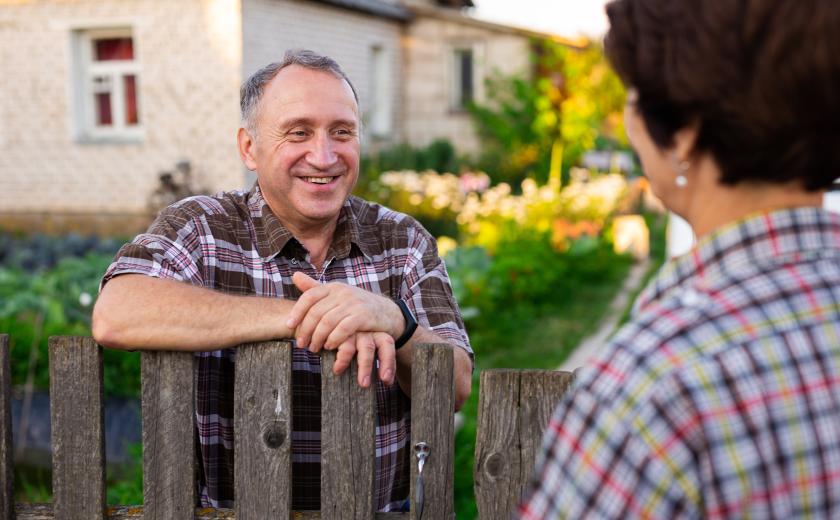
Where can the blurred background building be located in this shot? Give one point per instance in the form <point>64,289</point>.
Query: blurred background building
<point>107,106</point>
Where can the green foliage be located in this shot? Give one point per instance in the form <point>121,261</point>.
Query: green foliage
<point>126,485</point>
<point>535,129</point>
<point>527,306</point>
<point>58,302</point>
<point>439,156</point>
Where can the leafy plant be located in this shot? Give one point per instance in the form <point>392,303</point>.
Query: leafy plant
<point>540,128</point>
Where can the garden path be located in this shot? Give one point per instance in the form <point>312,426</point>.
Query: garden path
<point>591,344</point>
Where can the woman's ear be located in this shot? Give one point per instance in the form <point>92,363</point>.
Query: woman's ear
<point>685,140</point>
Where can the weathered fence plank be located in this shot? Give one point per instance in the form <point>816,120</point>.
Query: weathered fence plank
<point>497,461</point>
<point>539,393</point>
<point>513,411</point>
<point>167,390</point>
<point>45,512</point>
<point>263,431</point>
<point>7,495</point>
<point>77,415</point>
<point>348,443</point>
<point>433,422</point>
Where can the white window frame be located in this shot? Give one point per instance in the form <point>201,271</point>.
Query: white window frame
<point>381,120</point>
<point>86,69</point>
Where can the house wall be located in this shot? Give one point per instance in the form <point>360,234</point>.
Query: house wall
<point>270,27</point>
<point>428,50</point>
<point>190,69</point>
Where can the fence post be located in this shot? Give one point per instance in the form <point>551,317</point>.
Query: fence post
<point>7,495</point>
<point>513,410</point>
<point>263,431</point>
<point>433,422</point>
<point>168,434</point>
<point>78,438</point>
<point>348,443</point>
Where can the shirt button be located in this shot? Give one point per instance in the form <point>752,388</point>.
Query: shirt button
<point>294,261</point>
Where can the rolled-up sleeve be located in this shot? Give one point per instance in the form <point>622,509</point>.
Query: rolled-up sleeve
<point>172,249</point>
<point>427,290</point>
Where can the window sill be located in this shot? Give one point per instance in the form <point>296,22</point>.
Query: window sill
<point>110,139</point>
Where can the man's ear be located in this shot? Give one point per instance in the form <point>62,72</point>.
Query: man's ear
<point>247,148</point>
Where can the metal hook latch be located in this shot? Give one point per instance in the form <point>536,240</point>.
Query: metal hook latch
<point>421,451</point>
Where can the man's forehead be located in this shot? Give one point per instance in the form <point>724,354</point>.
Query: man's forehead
<point>297,84</point>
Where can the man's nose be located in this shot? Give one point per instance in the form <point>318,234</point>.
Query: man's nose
<point>322,154</point>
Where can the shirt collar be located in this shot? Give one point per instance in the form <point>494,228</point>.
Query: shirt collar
<point>272,236</point>
<point>748,245</point>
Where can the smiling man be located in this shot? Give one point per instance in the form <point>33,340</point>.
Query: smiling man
<point>294,257</point>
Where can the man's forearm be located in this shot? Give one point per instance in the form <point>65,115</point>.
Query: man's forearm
<point>462,365</point>
<point>141,312</point>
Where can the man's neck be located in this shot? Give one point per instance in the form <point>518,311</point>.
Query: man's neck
<point>316,238</point>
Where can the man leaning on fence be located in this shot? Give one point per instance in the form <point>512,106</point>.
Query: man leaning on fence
<point>294,257</point>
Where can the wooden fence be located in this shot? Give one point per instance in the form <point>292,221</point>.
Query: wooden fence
<point>514,409</point>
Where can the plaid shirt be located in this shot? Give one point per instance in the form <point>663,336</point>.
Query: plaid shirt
<point>721,397</point>
<point>233,243</point>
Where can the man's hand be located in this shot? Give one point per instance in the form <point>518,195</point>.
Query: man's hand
<point>366,345</point>
<point>328,315</point>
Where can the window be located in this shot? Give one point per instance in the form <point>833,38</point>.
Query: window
<point>463,92</point>
<point>381,92</point>
<point>107,85</point>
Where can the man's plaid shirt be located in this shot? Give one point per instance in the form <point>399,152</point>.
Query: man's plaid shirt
<point>721,397</point>
<point>233,243</point>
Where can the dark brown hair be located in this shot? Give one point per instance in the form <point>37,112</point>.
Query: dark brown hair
<point>762,78</point>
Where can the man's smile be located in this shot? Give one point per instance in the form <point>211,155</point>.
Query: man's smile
<point>319,180</point>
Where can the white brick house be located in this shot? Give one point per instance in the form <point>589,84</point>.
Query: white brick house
<point>97,97</point>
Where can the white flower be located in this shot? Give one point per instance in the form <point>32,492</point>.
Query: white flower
<point>85,299</point>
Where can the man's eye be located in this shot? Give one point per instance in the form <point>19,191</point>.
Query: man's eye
<point>297,134</point>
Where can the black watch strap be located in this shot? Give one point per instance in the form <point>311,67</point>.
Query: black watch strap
<point>410,325</point>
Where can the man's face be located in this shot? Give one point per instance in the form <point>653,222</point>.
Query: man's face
<point>306,152</point>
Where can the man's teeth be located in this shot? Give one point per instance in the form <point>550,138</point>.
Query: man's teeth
<point>318,180</point>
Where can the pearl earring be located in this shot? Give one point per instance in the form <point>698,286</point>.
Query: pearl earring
<point>682,167</point>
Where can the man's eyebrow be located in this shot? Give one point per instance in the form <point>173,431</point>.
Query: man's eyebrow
<point>344,122</point>
<point>298,121</point>
<point>305,121</point>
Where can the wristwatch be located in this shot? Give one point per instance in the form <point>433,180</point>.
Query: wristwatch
<point>410,325</point>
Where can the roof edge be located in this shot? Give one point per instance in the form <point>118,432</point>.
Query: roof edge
<point>375,7</point>
<point>458,16</point>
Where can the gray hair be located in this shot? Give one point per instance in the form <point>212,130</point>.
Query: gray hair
<point>251,91</point>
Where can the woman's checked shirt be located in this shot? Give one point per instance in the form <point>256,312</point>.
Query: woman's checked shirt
<point>233,243</point>
<point>721,397</point>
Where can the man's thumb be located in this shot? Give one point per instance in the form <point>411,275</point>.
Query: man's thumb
<point>304,282</point>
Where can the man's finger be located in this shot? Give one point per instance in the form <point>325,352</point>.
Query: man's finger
<point>387,356</point>
<point>315,308</point>
<point>328,318</point>
<point>347,327</point>
<point>313,293</point>
<point>304,282</point>
<point>365,353</point>
<point>344,356</point>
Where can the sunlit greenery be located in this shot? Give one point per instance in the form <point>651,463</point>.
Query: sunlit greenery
<point>540,128</point>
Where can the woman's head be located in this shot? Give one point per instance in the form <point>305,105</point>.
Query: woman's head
<point>759,79</point>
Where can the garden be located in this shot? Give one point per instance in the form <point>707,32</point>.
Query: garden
<point>527,236</point>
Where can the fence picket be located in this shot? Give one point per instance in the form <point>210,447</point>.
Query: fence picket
<point>263,431</point>
<point>539,393</point>
<point>513,411</point>
<point>7,495</point>
<point>78,436</point>
<point>433,422</point>
<point>167,390</point>
<point>348,443</point>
